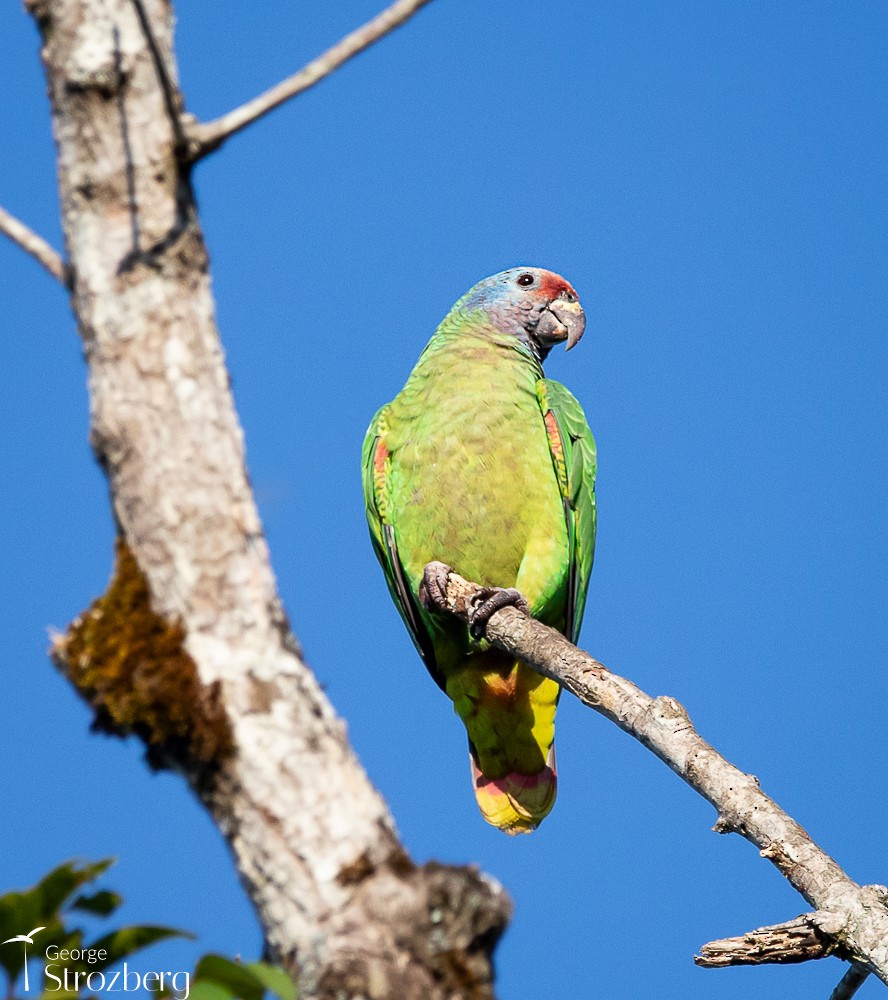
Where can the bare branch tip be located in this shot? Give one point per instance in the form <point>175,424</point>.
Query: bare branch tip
<point>798,940</point>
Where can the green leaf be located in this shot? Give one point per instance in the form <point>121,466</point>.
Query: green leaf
<point>237,979</point>
<point>103,903</point>
<point>248,982</point>
<point>21,912</point>
<point>128,940</point>
<point>208,991</point>
<point>54,934</point>
<point>18,914</point>
<point>57,994</point>
<point>54,888</point>
<point>275,980</point>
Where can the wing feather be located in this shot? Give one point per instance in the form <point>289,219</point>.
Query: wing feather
<point>573,454</point>
<point>377,466</point>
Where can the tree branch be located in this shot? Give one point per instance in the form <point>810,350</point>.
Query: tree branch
<point>850,983</point>
<point>34,245</point>
<point>206,137</point>
<point>854,917</point>
<point>798,940</point>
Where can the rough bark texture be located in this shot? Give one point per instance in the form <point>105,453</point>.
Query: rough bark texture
<point>798,940</point>
<point>192,618</point>
<point>854,917</point>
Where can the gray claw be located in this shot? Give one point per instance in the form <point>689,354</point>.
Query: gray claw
<point>433,589</point>
<point>488,601</point>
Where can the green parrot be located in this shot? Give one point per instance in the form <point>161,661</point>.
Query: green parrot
<point>482,464</point>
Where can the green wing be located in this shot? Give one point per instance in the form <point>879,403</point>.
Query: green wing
<point>376,466</point>
<point>573,454</point>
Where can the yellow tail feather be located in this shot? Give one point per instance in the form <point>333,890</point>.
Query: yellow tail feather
<point>509,713</point>
<point>516,803</point>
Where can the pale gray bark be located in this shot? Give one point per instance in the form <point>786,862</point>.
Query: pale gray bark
<point>853,917</point>
<point>190,647</point>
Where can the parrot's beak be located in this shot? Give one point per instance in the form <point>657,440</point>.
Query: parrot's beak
<point>561,322</point>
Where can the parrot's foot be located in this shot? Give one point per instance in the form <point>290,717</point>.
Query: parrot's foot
<point>433,589</point>
<point>488,601</point>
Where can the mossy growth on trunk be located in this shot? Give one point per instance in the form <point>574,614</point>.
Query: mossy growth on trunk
<point>130,665</point>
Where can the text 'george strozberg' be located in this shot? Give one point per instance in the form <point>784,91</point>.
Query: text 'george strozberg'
<point>125,980</point>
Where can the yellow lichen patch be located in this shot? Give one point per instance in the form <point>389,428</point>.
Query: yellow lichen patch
<point>129,664</point>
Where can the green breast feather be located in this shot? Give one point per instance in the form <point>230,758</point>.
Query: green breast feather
<point>572,449</point>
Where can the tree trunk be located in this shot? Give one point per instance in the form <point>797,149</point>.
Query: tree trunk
<point>190,647</point>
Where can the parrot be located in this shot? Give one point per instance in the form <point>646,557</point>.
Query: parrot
<point>483,466</point>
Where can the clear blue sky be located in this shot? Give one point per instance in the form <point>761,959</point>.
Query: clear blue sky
<point>712,179</point>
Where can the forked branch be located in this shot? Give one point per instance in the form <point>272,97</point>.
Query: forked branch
<point>206,137</point>
<point>34,245</point>
<point>853,919</point>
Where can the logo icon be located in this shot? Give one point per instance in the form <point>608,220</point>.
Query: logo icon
<point>25,939</point>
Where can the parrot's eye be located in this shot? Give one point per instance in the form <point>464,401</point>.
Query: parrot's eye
<point>525,279</point>
<point>570,297</point>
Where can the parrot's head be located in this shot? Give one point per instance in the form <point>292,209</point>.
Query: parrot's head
<point>538,307</point>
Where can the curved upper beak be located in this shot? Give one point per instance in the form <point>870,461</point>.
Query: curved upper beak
<point>571,322</point>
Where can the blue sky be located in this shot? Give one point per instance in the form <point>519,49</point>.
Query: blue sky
<point>711,178</point>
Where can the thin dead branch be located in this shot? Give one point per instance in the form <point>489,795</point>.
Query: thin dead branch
<point>798,940</point>
<point>208,136</point>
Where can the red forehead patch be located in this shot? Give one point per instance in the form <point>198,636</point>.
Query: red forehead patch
<point>552,285</point>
